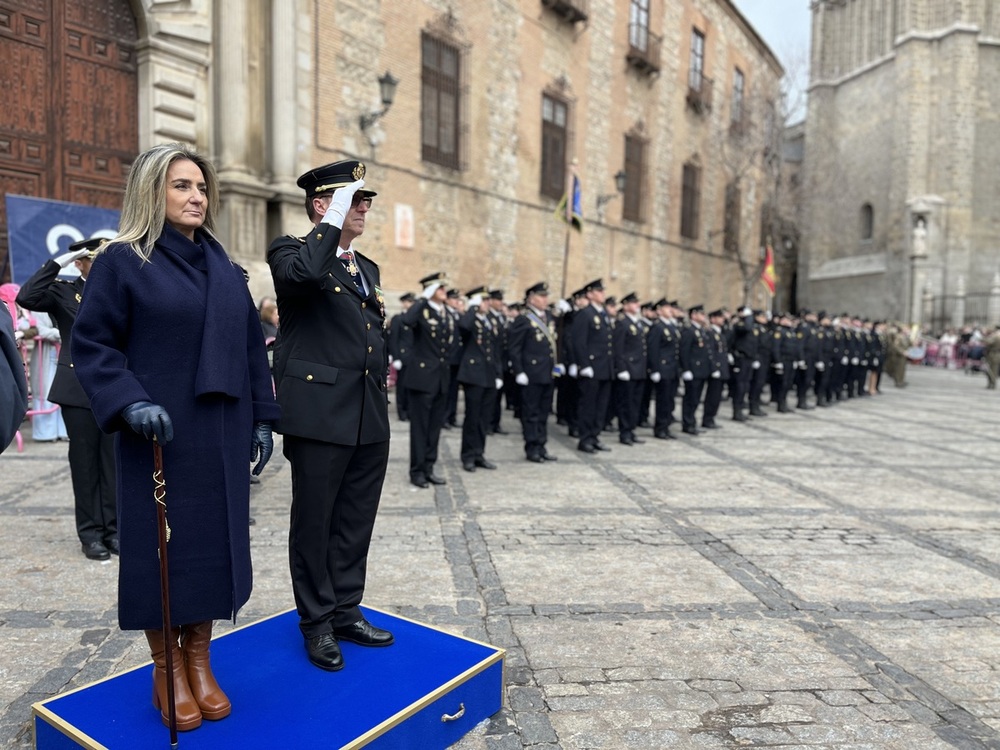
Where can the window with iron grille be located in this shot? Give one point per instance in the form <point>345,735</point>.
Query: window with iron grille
<point>555,118</point>
<point>738,84</point>
<point>696,69</point>
<point>440,105</point>
<point>635,178</point>
<point>638,24</point>
<point>731,235</point>
<point>690,201</point>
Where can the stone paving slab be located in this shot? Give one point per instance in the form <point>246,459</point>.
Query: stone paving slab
<point>822,579</point>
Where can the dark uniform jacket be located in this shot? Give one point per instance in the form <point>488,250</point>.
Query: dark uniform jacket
<point>592,342</point>
<point>745,346</point>
<point>399,338</point>
<point>695,353</point>
<point>662,349</point>
<point>629,339</point>
<point>532,346</point>
<point>434,336</point>
<point>719,353</point>
<point>806,334</point>
<point>43,292</point>
<point>13,388</point>
<point>478,364</point>
<point>330,364</point>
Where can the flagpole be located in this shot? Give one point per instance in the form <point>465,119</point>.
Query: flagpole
<point>565,268</point>
<point>570,171</point>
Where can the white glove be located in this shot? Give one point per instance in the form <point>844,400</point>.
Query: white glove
<point>397,364</point>
<point>573,371</point>
<point>563,306</point>
<point>779,366</point>
<point>843,360</point>
<point>475,300</point>
<point>521,378</point>
<point>429,292</point>
<point>716,375</point>
<point>587,372</point>
<point>875,362</point>
<point>821,366</point>
<point>336,212</point>
<point>756,364</point>
<point>854,360</point>
<point>803,365</point>
<point>66,258</point>
<point>732,361</point>
<point>687,376</point>
<point>624,376</point>
<point>499,383</point>
<point>864,362</point>
<point>655,377</point>
<point>559,370</point>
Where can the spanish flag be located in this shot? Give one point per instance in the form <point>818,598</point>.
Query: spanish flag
<point>767,274</point>
<point>572,214</point>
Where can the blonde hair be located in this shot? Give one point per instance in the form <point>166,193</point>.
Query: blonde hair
<point>144,208</point>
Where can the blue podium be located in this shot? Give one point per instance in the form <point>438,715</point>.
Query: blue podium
<point>425,691</point>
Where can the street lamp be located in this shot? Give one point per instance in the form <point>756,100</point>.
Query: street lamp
<point>387,88</point>
<point>602,200</point>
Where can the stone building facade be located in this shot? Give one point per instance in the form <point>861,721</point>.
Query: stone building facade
<point>671,93</point>
<point>902,167</point>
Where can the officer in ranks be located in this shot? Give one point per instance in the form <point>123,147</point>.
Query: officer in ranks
<point>805,373</point>
<point>719,375</point>
<point>791,357</point>
<point>569,388</point>
<point>761,365</point>
<point>877,361</point>
<point>593,360</point>
<point>455,305</point>
<point>534,361</point>
<point>781,348</point>
<point>630,362</point>
<point>400,339</point>
<point>500,325</point>
<point>860,372</point>
<point>612,308</point>
<point>91,452</point>
<point>696,366</point>
<point>662,350</point>
<point>480,374</point>
<point>745,337</point>
<point>826,351</point>
<point>434,334</point>
<point>648,313</point>
<point>842,358</point>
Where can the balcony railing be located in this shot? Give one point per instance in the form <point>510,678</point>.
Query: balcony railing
<point>643,49</point>
<point>571,10</point>
<point>699,96</point>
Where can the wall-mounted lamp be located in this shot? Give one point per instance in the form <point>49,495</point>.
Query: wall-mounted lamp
<point>620,179</point>
<point>387,89</point>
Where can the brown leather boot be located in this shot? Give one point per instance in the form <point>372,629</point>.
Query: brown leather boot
<point>195,640</point>
<point>188,713</point>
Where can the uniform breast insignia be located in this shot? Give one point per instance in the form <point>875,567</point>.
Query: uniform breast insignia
<point>380,298</point>
<point>632,330</point>
<point>597,321</point>
<point>359,172</point>
<point>78,297</point>
<point>427,314</point>
<point>798,335</point>
<point>777,335</point>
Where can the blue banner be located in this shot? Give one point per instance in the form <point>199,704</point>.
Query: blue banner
<point>39,229</point>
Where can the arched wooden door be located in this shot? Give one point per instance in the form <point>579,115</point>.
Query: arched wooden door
<point>68,102</point>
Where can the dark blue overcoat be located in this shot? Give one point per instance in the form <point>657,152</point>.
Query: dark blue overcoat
<point>182,332</point>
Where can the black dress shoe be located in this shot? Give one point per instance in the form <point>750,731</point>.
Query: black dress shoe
<point>468,466</point>
<point>113,547</point>
<point>586,448</point>
<point>499,430</point>
<point>638,441</point>
<point>535,458</point>
<point>485,464</point>
<point>691,431</point>
<point>364,633</point>
<point>420,482</point>
<point>324,652</point>
<point>96,551</point>
<point>741,417</point>
<point>435,479</point>
<point>602,447</point>
<point>446,426</point>
<point>625,441</point>
<point>758,413</point>
<point>547,457</point>
<point>573,432</point>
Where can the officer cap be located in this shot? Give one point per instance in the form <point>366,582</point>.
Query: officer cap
<point>90,246</point>
<point>581,292</point>
<point>332,176</point>
<point>662,302</point>
<point>822,314</point>
<point>596,285</point>
<point>408,297</point>
<point>454,294</point>
<point>720,313</point>
<point>480,290</point>
<point>610,301</point>
<point>496,294</point>
<point>696,308</point>
<point>647,306</point>
<point>435,279</point>
<point>630,297</point>
<point>540,288</point>
<point>674,303</point>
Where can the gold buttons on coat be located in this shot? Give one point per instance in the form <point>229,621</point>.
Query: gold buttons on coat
<point>336,289</point>
<point>364,305</point>
<point>309,377</point>
<point>368,326</point>
<point>369,350</point>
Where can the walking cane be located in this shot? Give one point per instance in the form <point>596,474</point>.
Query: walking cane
<point>163,532</point>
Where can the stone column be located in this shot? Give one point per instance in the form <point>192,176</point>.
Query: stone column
<point>285,140</point>
<point>958,309</point>
<point>232,85</point>
<point>993,306</point>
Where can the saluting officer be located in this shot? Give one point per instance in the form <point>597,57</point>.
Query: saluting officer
<point>719,375</point>
<point>455,305</point>
<point>434,333</point>
<point>745,348</point>
<point>593,353</point>
<point>696,366</point>
<point>91,452</point>
<point>534,360</point>
<point>762,364</point>
<point>662,348</point>
<point>630,355</point>
<point>481,375</point>
<point>330,371</point>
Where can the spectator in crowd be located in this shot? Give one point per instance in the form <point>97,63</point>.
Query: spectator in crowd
<point>42,337</point>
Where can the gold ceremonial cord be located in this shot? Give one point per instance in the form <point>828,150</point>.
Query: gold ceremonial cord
<point>159,495</point>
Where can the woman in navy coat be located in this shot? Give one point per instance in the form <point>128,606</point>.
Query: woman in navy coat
<point>167,344</point>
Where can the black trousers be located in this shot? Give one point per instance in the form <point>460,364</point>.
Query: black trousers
<point>592,408</point>
<point>479,404</point>
<point>536,403</point>
<point>740,384</point>
<point>426,418</point>
<point>645,400</point>
<point>335,496</point>
<point>822,387</point>
<point>713,399</point>
<point>803,381</point>
<point>757,382</point>
<point>689,404</point>
<point>666,395</point>
<point>92,470</point>
<point>451,405</point>
<point>628,395</point>
<point>402,395</point>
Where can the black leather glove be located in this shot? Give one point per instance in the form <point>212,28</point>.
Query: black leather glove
<point>150,421</point>
<point>262,444</point>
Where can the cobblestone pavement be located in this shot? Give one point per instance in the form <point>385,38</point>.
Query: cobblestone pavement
<point>824,579</point>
